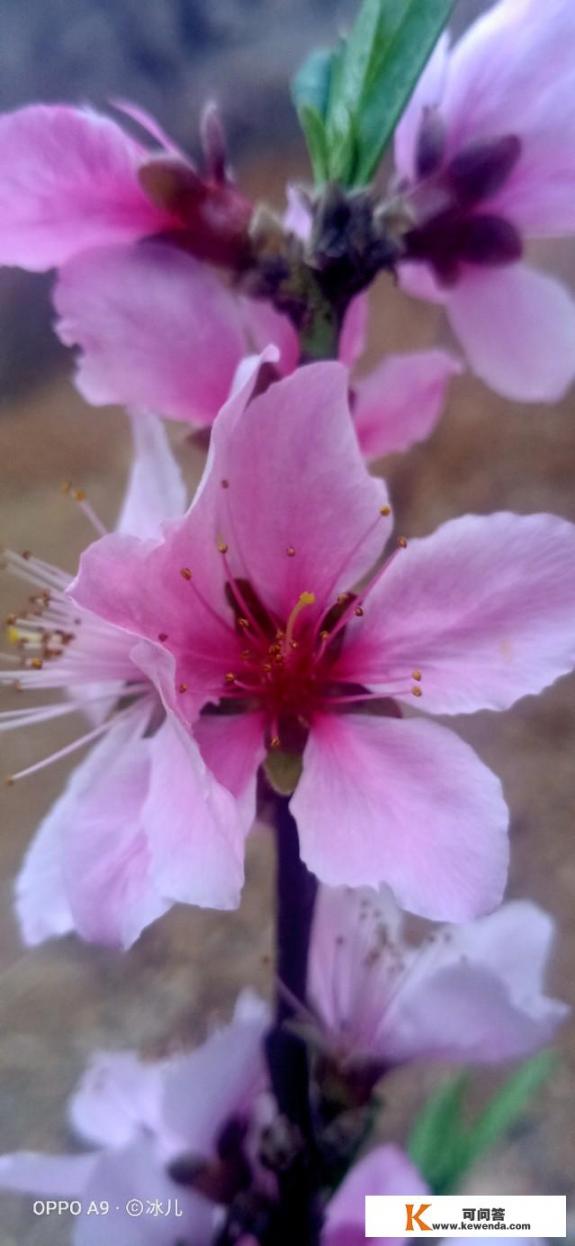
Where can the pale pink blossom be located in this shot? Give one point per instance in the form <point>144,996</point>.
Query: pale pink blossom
<point>485,157</point>
<point>385,1170</point>
<point>145,1123</point>
<point>263,622</point>
<point>471,993</point>
<point>100,860</point>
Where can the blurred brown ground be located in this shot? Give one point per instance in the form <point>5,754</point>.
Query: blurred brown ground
<point>59,1002</point>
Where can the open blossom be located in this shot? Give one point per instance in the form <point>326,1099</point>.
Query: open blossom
<point>267,629</point>
<point>97,861</point>
<point>152,1130</point>
<point>485,157</point>
<point>470,993</point>
<point>386,1170</point>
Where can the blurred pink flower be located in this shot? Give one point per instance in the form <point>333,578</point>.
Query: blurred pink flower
<point>146,1124</point>
<point>471,993</point>
<point>254,627</point>
<point>157,330</point>
<point>386,1170</point>
<point>485,157</point>
<point>95,864</point>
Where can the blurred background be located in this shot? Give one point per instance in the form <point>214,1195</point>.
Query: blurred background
<point>61,1001</point>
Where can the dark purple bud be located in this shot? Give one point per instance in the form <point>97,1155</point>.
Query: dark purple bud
<point>489,240</point>
<point>482,168</point>
<point>430,144</point>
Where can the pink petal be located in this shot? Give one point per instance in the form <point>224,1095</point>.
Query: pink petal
<point>400,402</point>
<point>511,64</point>
<point>428,94</point>
<point>118,1096</point>
<point>60,1175</point>
<point>106,859</point>
<point>193,824</point>
<point>137,1173</point>
<point>69,181</point>
<point>517,327</point>
<point>42,905</point>
<point>296,481</point>
<point>233,748</point>
<point>297,216</point>
<point>386,1170</point>
<point>483,608</point>
<point>475,994</point>
<point>353,339</point>
<point>155,490</point>
<point>407,803</point>
<point>264,325</point>
<point>218,1080</point>
<point>157,330</point>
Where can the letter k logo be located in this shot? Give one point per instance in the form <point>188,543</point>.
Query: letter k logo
<point>414,1218</point>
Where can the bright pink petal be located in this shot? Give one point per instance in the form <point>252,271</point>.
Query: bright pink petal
<point>407,803</point>
<point>157,330</point>
<point>517,327</point>
<point>428,94</point>
<point>118,1097</point>
<point>107,865</point>
<point>300,512</point>
<point>353,339</point>
<point>155,490</point>
<point>386,1170</point>
<point>233,748</point>
<point>69,181</point>
<point>483,608</point>
<point>193,824</point>
<point>400,402</point>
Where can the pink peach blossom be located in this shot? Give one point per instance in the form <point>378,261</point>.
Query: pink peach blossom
<point>471,993</point>
<point>157,330</point>
<point>141,1121</point>
<point>98,861</point>
<point>484,154</point>
<point>386,1170</point>
<point>262,621</point>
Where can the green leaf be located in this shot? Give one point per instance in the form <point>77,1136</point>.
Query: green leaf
<point>374,74</point>
<point>438,1132</point>
<point>313,128</point>
<point>508,1105</point>
<point>444,1146</point>
<point>311,84</point>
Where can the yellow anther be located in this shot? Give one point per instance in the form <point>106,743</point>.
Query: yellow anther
<point>185,573</point>
<point>182,687</point>
<point>385,511</point>
<point>36,664</point>
<point>324,634</point>
<point>229,677</point>
<point>402,542</point>
<point>222,547</point>
<point>9,781</point>
<point>359,611</point>
<point>79,495</point>
<point>243,622</point>
<point>275,741</point>
<point>416,691</point>
<point>416,675</point>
